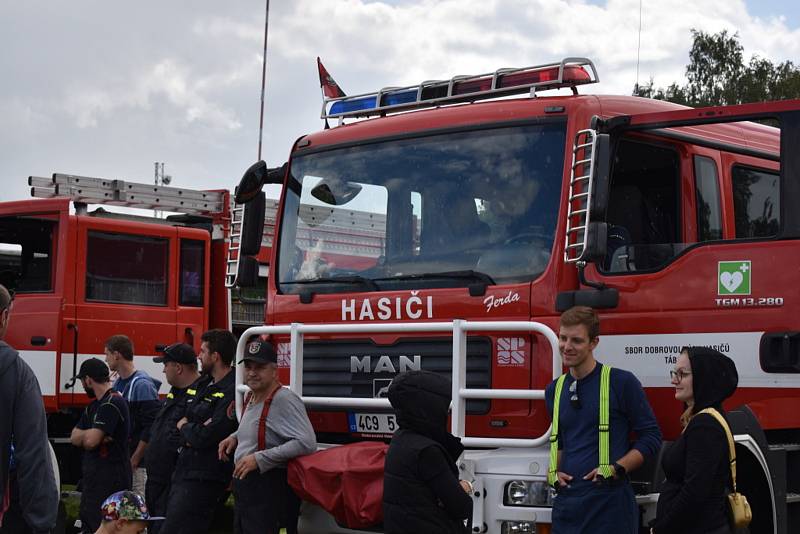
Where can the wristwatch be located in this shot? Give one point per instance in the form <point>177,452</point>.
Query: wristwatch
<point>619,470</point>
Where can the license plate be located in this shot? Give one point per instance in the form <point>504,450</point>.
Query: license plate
<point>372,423</point>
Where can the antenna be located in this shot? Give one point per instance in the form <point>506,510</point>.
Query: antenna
<point>638,49</point>
<point>263,82</point>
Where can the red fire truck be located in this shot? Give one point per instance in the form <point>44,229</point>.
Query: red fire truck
<point>80,276</point>
<point>476,219</point>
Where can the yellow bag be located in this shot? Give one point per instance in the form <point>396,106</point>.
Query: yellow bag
<point>739,508</point>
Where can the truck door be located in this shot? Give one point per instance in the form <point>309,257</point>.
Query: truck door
<point>125,275</point>
<point>33,256</point>
<point>192,287</point>
<point>702,247</point>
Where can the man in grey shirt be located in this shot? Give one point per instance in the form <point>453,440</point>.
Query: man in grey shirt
<point>274,429</point>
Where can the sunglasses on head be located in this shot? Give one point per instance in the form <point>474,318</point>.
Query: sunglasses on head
<point>574,400</point>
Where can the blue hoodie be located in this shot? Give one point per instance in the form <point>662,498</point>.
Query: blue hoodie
<point>141,392</point>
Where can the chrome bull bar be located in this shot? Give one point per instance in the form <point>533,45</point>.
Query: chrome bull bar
<point>457,328</point>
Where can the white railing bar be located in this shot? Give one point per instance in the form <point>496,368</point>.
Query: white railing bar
<point>348,402</point>
<point>458,414</point>
<point>351,328</point>
<point>239,370</point>
<point>519,394</point>
<point>506,442</point>
<point>459,329</point>
<point>296,355</point>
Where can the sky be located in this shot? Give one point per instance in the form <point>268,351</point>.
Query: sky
<point>104,89</point>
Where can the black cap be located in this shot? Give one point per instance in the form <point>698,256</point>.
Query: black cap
<point>260,351</point>
<point>93,368</point>
<point>177,352</point>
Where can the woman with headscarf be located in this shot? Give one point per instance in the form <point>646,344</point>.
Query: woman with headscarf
<point>694,496</point>
<point>421,489</point>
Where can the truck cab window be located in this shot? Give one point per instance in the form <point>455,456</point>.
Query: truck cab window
<point>756,202</point>
<point>709,216</point>
<point>192,263</point>
<point>643,210</point>
<point>26,254</point>
<point>127,269</point>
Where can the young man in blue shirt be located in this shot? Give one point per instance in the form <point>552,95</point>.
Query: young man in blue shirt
<point>586,501</point>
<point>140,390</point>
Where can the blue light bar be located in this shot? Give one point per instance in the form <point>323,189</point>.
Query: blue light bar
<point>349,106</point>
<point>404,97</point>
<point>365,103</point>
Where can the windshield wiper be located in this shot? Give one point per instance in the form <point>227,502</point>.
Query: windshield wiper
<point>476,289</point>
<point>349,279</point>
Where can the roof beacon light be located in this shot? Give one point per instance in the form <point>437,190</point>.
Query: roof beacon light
<point>570,72</point>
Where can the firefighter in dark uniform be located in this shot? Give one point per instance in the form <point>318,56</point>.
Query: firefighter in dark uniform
<point>102,432</point>
<point>200,479</point>
<point>163,438</point>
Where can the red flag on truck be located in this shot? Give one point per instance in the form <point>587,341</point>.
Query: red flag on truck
<point>329,86</point>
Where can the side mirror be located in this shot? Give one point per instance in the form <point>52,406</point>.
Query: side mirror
<point>596,242</point>
<point>248,272</point>
<point>253,225</point>
<point>254,179</point>
<point>602,177</point>
<point>251,183</point>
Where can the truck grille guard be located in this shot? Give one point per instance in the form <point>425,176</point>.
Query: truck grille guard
<point>457,328</point>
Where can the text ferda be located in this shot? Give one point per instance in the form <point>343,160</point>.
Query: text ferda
<point>495,302</point>
<point>386,308</point>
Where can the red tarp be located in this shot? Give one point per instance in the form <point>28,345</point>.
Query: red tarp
<point>346,481</point>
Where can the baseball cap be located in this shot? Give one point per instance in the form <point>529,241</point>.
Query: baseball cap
<point>177,352</point>
<point>93,368</point>
<point>260,351</point>
<point>126,505</point>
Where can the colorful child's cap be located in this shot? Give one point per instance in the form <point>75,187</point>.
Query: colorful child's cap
<point>126,505</point>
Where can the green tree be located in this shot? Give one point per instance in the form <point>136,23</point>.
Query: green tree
<point>717,75</point>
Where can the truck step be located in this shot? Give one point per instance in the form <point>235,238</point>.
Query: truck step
<point>792,498</point>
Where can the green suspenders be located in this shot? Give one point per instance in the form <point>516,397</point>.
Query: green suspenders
<point>605,469</point>
<point>551,470</point>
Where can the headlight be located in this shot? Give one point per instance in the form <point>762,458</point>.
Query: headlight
<point>528,493</point>
<point>518,527</point>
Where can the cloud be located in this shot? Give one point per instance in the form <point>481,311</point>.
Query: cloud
<point>110,88</point>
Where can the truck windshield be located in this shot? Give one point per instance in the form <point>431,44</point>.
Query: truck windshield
<point>442,210</point>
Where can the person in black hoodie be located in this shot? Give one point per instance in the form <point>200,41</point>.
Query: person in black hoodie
<point>693,498</point>
<point>421,489</point>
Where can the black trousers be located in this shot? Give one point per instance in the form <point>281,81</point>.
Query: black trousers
<point>264,503</point>
<point>191,505</point>
<point>98,482</point>
<point>156,495</point>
